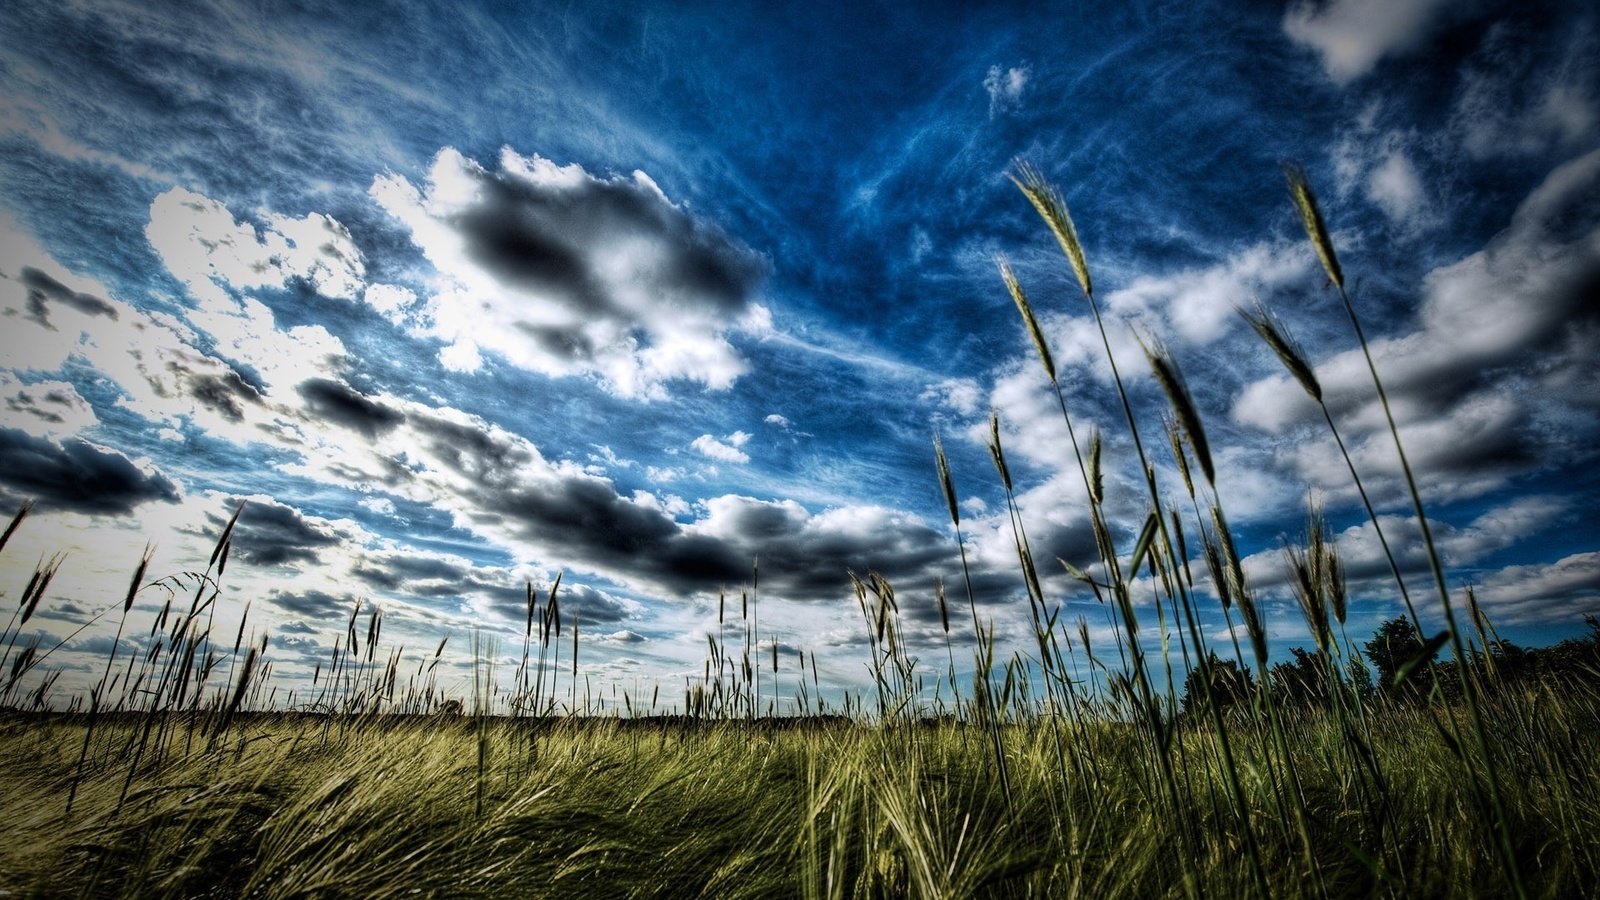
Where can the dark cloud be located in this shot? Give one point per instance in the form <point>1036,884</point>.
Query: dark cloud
<point>589,605</point>
<point>394,571</point>
<point>342,405</point>
<point>581,520</point>
<point>77,475</point>
<point>584,520</point>
<point>548,236</point>
<point>224,394</point>
<point>272,534</point>
<point>555,270</point>
<point>329,611</point>
<point>42,288</point>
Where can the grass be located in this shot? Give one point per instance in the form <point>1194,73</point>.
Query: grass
<point>1066,770</point>
<point>610,808</point>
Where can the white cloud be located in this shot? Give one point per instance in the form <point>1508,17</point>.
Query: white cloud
<point>394,302</point>
<point>557,271</point>
<point>664,474</point>
<point>958,395</point>
<point>198,237</point>
<point>1518,99</point>
<point>383,506</point>
<point>153,359</point>
<point>461,356</point>
<point>52,409</point>
<point>726,450</point>
<point>1395,187</point>
<point>777,421</point>
<point>1517,307</point>
<point>1381,165</point>
<point>1352,35</point>
<point>1560,591</point>
<point>1005,87</point>
<point>206,248</point>
<point>1197,305</point>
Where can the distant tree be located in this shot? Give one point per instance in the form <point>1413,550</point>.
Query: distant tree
<point>1572,660</point>
<point>1395,643</point>
<point>1360,676</point>
<point>1231,684</point>
<point>1304,680</point>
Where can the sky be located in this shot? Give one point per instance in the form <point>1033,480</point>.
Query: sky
<point>458,297</point>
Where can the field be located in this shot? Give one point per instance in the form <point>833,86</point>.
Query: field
<point>1190,770</point>
<point>284,805</point>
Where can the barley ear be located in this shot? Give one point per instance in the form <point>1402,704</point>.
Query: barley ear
<point>1010,278</point>
<point>1097,493</point>
<point>1047,201</point>
<point>944,609</point>
<point>996,451</point>
<point>1305,203</point>
<point>1172,384</point>
<point>1170,425</point>
<point>16,520</point>
<point>945,482</point>
<point>1270,330</point>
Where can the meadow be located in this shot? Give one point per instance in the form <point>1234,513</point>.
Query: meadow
<point>1420,762</point>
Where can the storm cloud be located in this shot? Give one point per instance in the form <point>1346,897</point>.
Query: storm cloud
<point>342,405</point>
<point>78,475</point>
<point>272,534</point>
<point>42,290</point>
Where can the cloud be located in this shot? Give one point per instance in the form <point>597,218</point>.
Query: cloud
<point>500,487</point>
<point>340,404</point>
<point>197,237</point>
<point>329,611</point>
<point>392,301</point>
<point>1560,591</point>
<point>1005,87</point>
<point>557,271</point>
<point>1352,35</point>
<point>1395,187</point>
<point>77,475</point>
<point>1523,97</point>
<point>778,421</point>
<point>587,605</point>
<point>726,450</point>
<point>1502,342</point>
<point>805,556</point>
<point>1197,304</point>
<point>52,409</point>
<point>1381,165</point>
<point>210,251</point>
<point>382,506</point>
<point>269,533</point>
<point>961,396</point>
<point>43,288</point>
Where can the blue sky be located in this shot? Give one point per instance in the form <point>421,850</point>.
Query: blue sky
<point>459,297</point>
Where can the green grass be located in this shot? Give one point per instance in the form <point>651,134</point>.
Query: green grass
<point>386,806</point>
